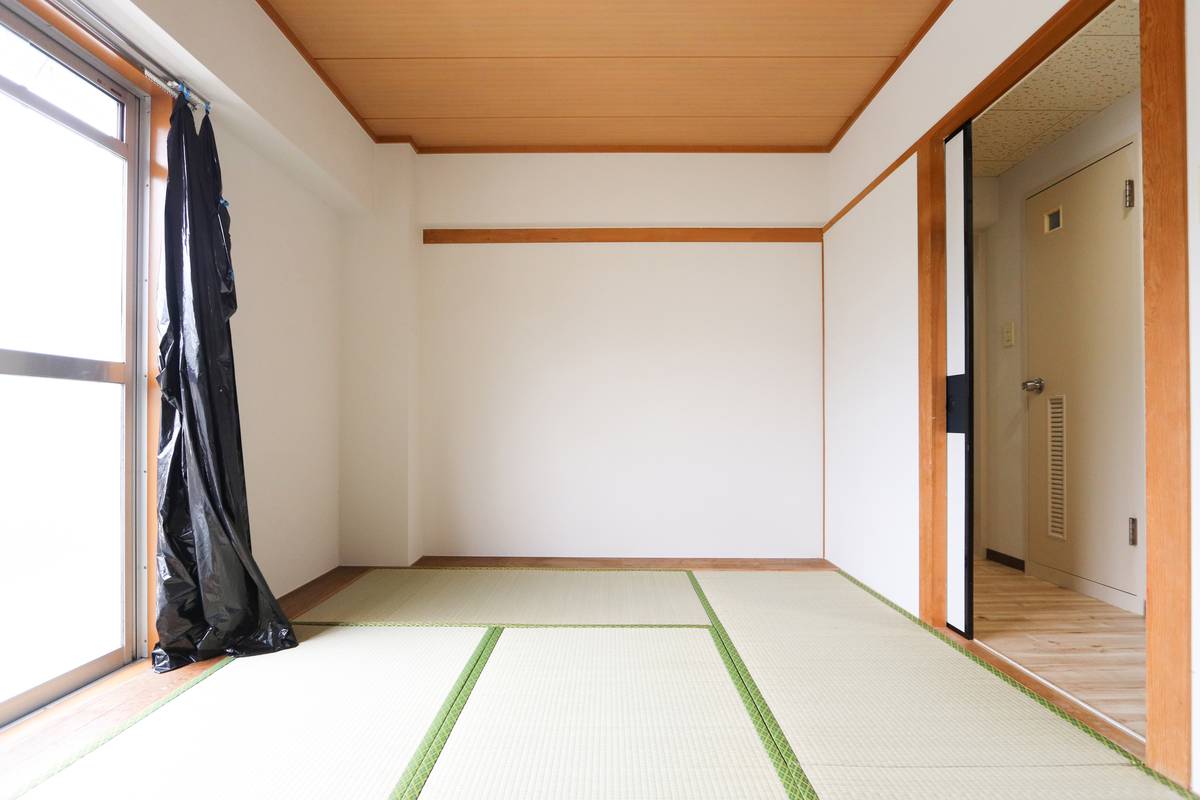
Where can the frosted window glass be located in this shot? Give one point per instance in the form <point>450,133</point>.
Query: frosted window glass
<point>27,66</point>
<point>62,239</point>
<point>62,527</point>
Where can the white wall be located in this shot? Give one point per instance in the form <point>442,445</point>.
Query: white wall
<point>622,189</point>
<point>969,40</point>
<point>871,422</point>
<point>287,254</point>
<point>651,400</point>
<point>690,426</point>
<point>877,248</point>
<point>1004,527</point>
<point>378,351</point>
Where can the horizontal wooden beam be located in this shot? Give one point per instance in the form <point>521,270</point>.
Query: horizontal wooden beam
<point>606,148</point>
<point>552,235</point>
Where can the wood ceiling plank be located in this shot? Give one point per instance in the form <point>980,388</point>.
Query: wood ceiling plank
<point>627,28</point>
<point>605,87</point>
<point>627,132</point>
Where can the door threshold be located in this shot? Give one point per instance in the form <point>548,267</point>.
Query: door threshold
<point>1061,699</point>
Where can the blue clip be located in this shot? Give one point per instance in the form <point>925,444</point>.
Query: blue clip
<point>187,95</point>
<point>224,203</point>
<point>207,107</point>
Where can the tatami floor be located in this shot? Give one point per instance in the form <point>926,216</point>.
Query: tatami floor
<point>1086,647</point>
<point>552,683</point>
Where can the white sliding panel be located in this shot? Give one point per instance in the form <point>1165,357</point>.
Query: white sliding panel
<point>958,381</point>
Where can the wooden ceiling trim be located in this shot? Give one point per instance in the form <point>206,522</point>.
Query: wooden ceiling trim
<point>624,28</point>
<point>265,5</point>
<point>623,132</point>
<point>887,76</point>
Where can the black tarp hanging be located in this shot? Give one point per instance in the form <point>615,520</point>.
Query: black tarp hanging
<point>212,599</point>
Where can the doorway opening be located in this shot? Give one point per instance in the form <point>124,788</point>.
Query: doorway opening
<point>1058,391</point>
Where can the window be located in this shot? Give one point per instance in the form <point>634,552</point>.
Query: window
<point>1053,220</point>
<point>68,369</point>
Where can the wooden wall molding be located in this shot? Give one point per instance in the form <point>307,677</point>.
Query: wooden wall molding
<point>563,235</point>
<point>1068,21</point>
<point>870,187</point>
<point>1168,402</point>
<point>1048,38</point>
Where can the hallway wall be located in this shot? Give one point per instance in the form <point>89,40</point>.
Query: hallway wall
<point>1107,130</point>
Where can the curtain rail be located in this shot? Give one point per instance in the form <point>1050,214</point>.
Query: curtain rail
<point>83,16</point>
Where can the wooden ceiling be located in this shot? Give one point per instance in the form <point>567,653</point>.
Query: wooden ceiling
<point>605,75</point>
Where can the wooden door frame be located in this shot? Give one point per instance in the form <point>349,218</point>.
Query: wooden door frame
<point>1168,432</point>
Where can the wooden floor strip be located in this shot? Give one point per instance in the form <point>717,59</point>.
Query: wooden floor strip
<point>768,564</point>
<point>1093,651</point>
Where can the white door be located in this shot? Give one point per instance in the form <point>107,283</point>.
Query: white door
<point>959,412</point>
<point>1086,432</point>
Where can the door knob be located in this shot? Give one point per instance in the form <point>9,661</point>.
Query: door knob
<point>1036,385</point>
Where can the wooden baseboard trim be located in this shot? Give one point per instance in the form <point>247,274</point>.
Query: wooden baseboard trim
<point>1003,558</point>
<point>311,594</point>
<point>608,235</point>
<point>556,562</point>
<point>1056,697</point>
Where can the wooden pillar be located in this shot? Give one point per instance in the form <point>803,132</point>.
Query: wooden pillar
<point>1168,421</point>
<point>931,361</point>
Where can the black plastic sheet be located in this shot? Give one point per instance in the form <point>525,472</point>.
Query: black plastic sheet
<point>212,598</point>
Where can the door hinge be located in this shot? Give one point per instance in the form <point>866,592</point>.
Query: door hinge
<point>1133,531</point>
<point>1129,194</point>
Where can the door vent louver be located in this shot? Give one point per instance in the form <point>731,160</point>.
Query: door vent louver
<point>1057,473</point>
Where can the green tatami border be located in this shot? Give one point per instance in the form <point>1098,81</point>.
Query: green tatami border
<point>526,568</point>
<point>389,624</point>
<point>412,781</point>
<point>122,727</point>
<point>791,774</point>
<point>1044,703</point>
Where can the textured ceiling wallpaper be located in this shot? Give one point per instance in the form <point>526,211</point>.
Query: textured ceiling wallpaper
<point>1096,67</point>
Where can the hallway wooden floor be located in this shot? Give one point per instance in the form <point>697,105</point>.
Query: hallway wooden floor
<point>1086,647</point>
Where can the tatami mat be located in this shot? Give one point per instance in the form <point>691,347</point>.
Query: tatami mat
<point>613,713</point>
<point>873,705</point>
<point>337,717</point>
<point>514,597</point>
